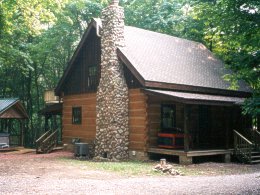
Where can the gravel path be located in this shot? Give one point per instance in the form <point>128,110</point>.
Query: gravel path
<point>26,175</point>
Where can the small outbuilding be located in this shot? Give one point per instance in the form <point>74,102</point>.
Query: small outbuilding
<point>12,116</point>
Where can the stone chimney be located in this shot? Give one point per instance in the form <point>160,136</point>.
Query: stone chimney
<point>112,95</point>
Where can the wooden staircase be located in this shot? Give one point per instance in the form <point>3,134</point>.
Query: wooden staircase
<point>245,150</point>
<point>255,157</point>
<point>47,142</point>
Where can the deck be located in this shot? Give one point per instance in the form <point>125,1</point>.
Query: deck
<point>190,153</point>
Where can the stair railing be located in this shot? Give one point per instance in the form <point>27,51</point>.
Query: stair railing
<point>50,142</point>
<point>242,147</point>
<point>39,141</point>
<point>46,142</point>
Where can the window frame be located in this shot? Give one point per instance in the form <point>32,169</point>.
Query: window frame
<point>76,115</point>
<point>173,125</point>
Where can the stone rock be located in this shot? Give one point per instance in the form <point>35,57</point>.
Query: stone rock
<point>168,169</point>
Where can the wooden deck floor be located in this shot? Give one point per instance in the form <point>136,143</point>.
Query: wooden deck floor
<point>191,153</point>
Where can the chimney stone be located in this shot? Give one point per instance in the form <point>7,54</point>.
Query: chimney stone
<point>114,2</point>
<point>112,130</point>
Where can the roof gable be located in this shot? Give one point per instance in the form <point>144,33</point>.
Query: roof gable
<point>94,24</point>
<point>7,103</point>
<point>12,108</point>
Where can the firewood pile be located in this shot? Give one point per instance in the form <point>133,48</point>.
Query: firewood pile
<point>166,168</point>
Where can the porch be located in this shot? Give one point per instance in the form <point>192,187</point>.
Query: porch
<point>187,157</point>
<point>190,125</point>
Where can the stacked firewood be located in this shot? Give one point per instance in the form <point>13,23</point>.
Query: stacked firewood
<point>166,168</point>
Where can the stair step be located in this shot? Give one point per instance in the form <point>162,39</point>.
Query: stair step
<point>255,154</point>
<point>255,157</point>
<point>255,161</point>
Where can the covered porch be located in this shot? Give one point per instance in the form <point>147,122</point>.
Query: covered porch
<point>189,125</point>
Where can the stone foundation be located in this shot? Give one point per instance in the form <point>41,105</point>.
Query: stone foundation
<point>112,96</point>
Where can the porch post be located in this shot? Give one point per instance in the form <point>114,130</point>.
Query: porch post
<point>228,113</point>
<point>46,125</point>
<point>186,131</point>
<point>258,122</point>
<point>22,132</point>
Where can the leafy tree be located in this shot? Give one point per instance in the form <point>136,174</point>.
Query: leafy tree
<point>231,30</point>
<point>24,20</point>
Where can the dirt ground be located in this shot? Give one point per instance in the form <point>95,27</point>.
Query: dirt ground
<point>48,174</point>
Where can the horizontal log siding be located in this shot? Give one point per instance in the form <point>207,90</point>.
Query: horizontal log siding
<point>154,112</point>
<point>138,120</point>
<point>86,131</point>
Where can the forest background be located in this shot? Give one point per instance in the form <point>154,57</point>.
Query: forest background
<point>38,37</point>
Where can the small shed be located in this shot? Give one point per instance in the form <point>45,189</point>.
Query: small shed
<point>12,116</point>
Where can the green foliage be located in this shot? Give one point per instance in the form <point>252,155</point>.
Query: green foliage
<point>232,32</point>
<point>166,16</point>
<point>252,106</point>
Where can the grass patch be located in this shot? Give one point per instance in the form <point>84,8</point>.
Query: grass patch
<point>140,168</point>
<point>128,168</point>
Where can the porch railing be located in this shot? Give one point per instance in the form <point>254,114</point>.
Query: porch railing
<point>242,147</point>
<point>40,140</point>
<point>46,142</point>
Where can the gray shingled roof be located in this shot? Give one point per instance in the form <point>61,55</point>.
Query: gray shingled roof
<point>167,59</point>
<point>7,103</point>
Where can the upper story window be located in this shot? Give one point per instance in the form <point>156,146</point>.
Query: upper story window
<point>168,116</point>
<point>76,115</point>
<point>92,71</point>
<point>92,76</point>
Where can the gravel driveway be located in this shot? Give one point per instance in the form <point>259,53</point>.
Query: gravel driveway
<point>44,174</point>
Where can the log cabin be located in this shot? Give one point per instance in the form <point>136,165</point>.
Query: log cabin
<point>134,92</point>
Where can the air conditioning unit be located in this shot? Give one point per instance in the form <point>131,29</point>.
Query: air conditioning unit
<point>81,150</point>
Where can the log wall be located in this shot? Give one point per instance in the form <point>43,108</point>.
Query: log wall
<point>86,131</point>
<point>144,121</point>
<point>138,120</point>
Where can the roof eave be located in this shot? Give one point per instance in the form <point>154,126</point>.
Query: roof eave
<point>193,101</point>
<point>197,89</point>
